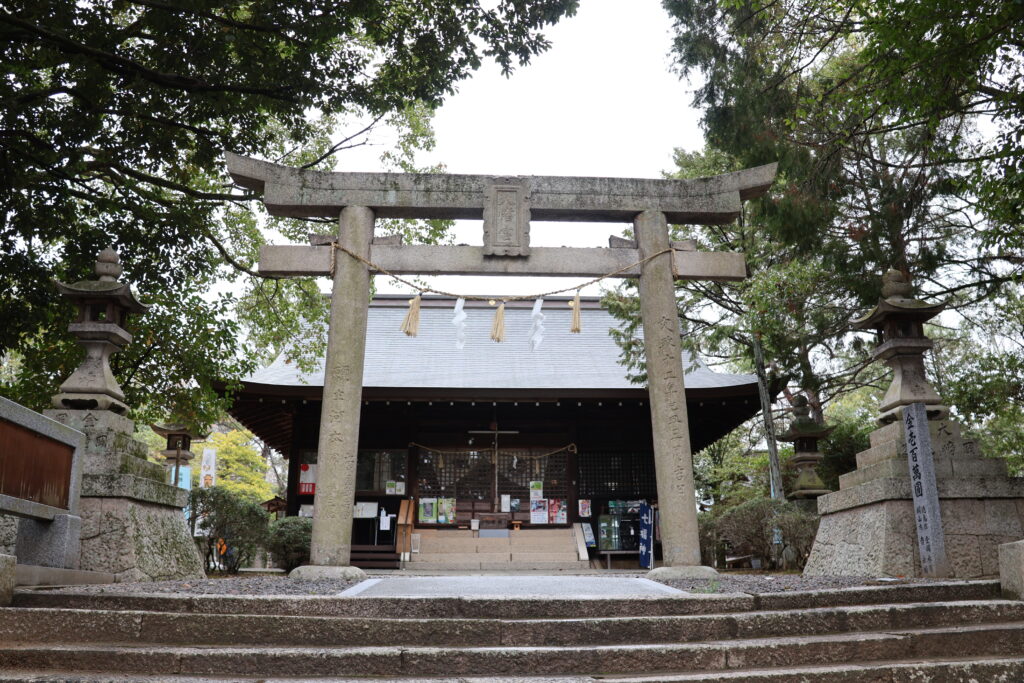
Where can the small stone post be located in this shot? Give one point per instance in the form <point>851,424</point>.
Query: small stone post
<point>343,399</point>
<point>672,459</point>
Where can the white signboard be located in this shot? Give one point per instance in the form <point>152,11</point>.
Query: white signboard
<point>208,469</point>
<point>364,510</point>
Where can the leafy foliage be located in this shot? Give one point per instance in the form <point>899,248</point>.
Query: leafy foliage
<point>115,119</point>
<point>241,467</point>
<point>229,523</point>
<point>289,541</point>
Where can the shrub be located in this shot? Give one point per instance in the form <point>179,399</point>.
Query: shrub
<point>289,541</point>
<point>234,527</point>
<point>750,528</point>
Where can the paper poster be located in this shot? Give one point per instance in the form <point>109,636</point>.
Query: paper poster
<point>305,511</point>
<point>506,502</point>
<point>584,505</point>
<point>307,479</point>
<point>558,511</point>
<point>208,469</point>
<point>536,490</point>
<point>399,488</point>
<point>428,510</point>
<point>514,505</point>
<point>446,511</point>
<point>389,488</point>
<point>364,510</point>
<point>538,511</point>
<point>385,520</point>
<point>588,536</point>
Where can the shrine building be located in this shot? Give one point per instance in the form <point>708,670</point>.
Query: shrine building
<point>492,431</point>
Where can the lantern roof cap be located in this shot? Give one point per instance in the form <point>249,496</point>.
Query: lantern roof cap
<point>106,286</point>
<point>166,430</point>
<point>803,425</point>
<point>897,302</point>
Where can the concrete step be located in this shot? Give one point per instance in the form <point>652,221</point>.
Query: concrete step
<point>136,627</point>
<point>519,556</point>
<point>1006,669</point>
<point>986,640</point>
<point>437,544</point>
<point>519,608</point>
<point>456,558</point>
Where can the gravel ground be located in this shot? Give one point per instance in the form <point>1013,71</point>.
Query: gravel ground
<point>240,585</point>
<point>776,583</point>
<point>280,585</point>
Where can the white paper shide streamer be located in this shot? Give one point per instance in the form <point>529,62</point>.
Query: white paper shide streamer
<point>537,328</point>
<point>459,320</point>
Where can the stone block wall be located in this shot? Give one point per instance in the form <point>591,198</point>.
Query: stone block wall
<point>868,526</point>
<point>133,525</point>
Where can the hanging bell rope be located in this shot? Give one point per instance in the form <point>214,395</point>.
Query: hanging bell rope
<point>411,322</point>
<point>498,326</point>
<point>576,325</point>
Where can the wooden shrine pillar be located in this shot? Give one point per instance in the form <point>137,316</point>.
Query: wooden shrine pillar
<point>343,394</point>
<point>673,463</point>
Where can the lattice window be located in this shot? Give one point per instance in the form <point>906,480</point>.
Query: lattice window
<point>465,475</point>
<point>617,475</point>
<point>517,468</point>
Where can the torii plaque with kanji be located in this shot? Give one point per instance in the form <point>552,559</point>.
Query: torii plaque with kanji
<point>506,205</point>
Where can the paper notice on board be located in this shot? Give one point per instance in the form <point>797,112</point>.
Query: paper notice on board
<point>536,490</point>
<point>506,502</point>
<point>538,511</point>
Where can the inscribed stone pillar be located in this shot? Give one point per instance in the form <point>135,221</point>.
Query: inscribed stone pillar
<point>672,460</point>
<point>343,393</point>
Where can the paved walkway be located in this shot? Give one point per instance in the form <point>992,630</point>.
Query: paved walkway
<point>509,587</point>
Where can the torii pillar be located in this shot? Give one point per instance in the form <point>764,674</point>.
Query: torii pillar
<point>506,205</point>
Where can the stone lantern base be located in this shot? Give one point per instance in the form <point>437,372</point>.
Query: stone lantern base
<point>868,526</point>
<point>132,521</point>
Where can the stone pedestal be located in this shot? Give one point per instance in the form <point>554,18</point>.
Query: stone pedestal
<point>132,523</point>
<point>868,526</point>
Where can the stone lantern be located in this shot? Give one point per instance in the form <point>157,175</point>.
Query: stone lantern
<point>804,433</point>
<point>179,444</point>
<point>103,305</point>
<point>899,320</point>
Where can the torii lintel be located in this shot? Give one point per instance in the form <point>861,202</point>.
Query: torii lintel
<point>301,193</point>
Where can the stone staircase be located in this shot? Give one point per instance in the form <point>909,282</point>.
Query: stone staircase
<point>529,549</point>
<point>918,632</point>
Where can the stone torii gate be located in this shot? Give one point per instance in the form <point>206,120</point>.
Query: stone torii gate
<point>506,205</point>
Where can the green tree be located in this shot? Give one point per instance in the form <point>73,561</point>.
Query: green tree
<point>115,118</point>
<point>241,466</point>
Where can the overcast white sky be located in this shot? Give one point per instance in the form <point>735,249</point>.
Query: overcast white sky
<point>601,102</point>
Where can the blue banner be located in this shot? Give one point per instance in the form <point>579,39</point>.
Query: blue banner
<point>646,536</point>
